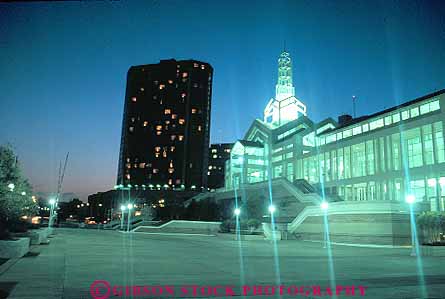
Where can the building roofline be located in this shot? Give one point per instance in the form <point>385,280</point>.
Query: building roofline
<point>366,117</point>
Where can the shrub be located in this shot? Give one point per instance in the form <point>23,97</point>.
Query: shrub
<point>253,224</point>
<point>431,226</point>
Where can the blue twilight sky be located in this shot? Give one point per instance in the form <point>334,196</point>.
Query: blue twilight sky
<point>63,67</point>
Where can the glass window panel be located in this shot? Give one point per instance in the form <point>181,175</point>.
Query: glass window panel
<point>414,146</point>
<point>357,130</point>
<point>428,150</point>
<point>347,133</point>
<point>434,106</point>
<point>382,154</point>
<point>396,117</point>
<point>365,127</point>
<point>418,189</point>
<point>376,124</point>
<point>415,112</point>
<point>330,138</point>
<point>370,157</point>
<point>405,115</point>
<point>340,166</point>
<point>396,154</point>
<point>438,136</point>
<point>290,172</point>
<point>339,136</point>
<point>425,108</point>
<point>388,120</point>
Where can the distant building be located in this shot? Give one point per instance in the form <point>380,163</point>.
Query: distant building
<point>166,126</point>
<point>219,153</point>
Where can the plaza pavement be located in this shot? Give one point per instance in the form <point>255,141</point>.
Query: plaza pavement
<point>76,258</point>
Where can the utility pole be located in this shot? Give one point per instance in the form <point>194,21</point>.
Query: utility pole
<point>353,106</point>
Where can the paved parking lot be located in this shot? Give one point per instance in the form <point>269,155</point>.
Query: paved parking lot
<point>76,258</point>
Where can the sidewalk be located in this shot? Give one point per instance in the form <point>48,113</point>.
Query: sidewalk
<point>40,276</point>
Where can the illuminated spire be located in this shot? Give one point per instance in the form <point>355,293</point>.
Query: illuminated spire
<point>284,88</point>
<point>285,107</point>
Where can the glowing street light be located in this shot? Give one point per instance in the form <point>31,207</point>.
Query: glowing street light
<point>272,209</point>
<point>411,199</point>
<point>324,205</point>
<point>23,193</point>
<point>11,186</point>
<point>52,201</point>
<point>122,216</point>
<point>237,212</point>
<point>129,206</point>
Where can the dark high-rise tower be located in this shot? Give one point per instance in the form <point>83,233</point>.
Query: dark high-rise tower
<point>166,125</point>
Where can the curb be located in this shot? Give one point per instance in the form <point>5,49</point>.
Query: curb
<point>4,267</point>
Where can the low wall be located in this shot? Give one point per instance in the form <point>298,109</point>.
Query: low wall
<point>182,226</point>
<point>36,236</point>
<point>372,222</point>
<point>14,249</point>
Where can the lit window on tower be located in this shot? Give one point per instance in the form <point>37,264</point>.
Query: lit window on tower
<point>167,111</point>
<point>180,137</point>
<point>181,121</point>
<point>193,110</point>
<point>174,116</point>
<point>161,86</point>
<point>133,99</point>
<point>145,123</point>
<point>185,75</point>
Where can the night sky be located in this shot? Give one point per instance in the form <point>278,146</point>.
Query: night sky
<point>63,68</point>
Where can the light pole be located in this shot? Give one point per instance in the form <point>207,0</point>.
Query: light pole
<point>324,206</point>
<point>410,199</point>
<point>130,206</point>
<point>122,216</point>
<point>52,202</point>
<point>272,210</point>
<point>237,212</point>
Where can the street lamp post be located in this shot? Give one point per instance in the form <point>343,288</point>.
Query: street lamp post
<point>52,202</point>
<point>122,216</point>
<point>237,212</point>
<point>272,210</point>
<point>410,199</point>
<point>324,206</point>
<point>130,206</point>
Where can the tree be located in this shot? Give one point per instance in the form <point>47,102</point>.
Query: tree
<point>15,193</point>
